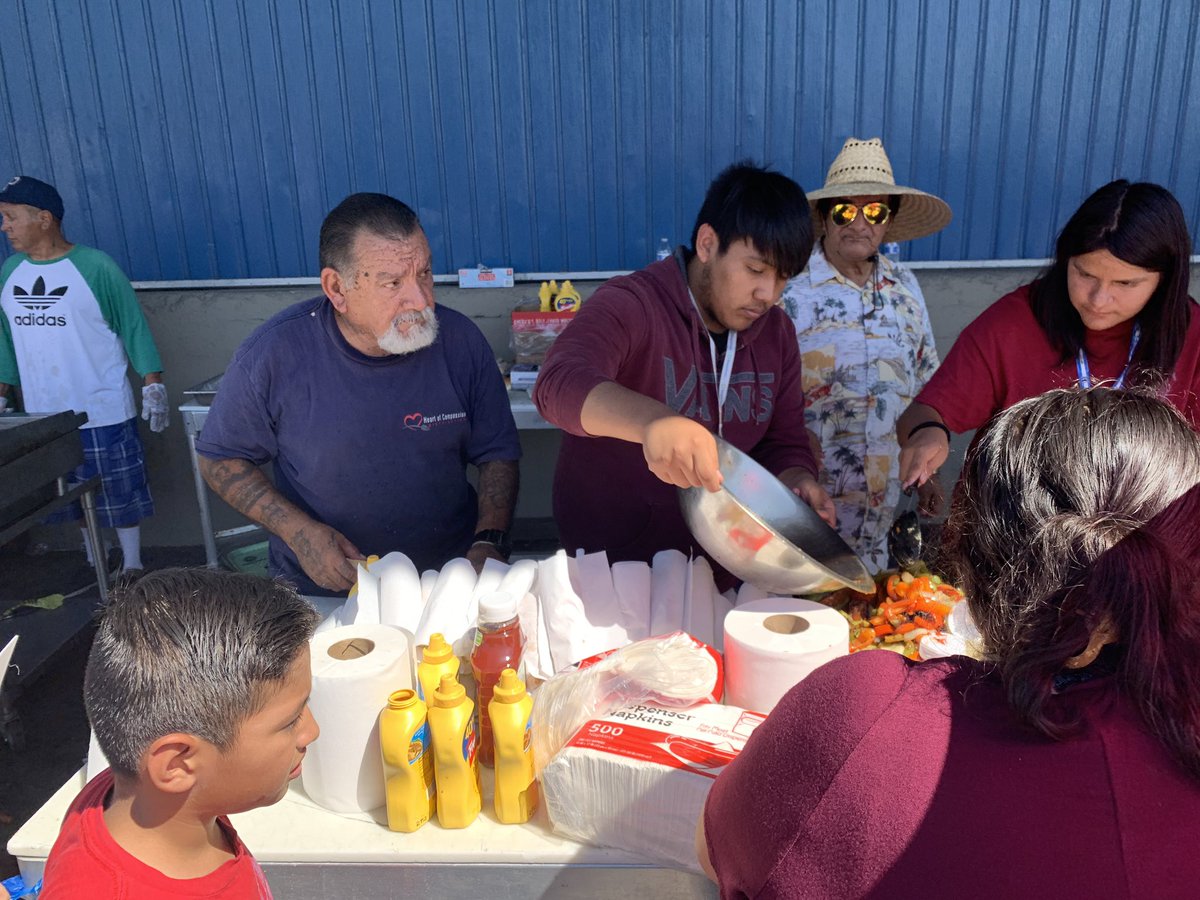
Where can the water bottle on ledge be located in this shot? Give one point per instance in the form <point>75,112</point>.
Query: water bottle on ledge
<point>664,249</point>
<point>892,251</point>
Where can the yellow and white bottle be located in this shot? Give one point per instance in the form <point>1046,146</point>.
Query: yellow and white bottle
<point>437,659</point>
<point>511,714</point>
<point>407,761</point>
<point>455,755</point>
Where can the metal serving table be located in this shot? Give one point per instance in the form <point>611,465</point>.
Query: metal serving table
<point>195,411</point>
<point>308,852</point>
<point>37,455</point>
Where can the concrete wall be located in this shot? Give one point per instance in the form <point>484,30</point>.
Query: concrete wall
<point>198,330</point>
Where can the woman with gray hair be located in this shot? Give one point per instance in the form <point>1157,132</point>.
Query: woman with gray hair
<point>1067,760</point>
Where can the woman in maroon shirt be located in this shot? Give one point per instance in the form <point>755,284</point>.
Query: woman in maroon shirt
<point>1113,308</point>
<point>1067,762</point>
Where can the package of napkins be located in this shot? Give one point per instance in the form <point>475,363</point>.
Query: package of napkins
<point>638,778</point>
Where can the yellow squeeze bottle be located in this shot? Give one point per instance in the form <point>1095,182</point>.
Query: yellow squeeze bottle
<point>511,713</point>
<point>567,299</point>
<point>366,565</point>
<point>407,762</point>
<point>455,763</point>
<point>544,297</point>
<point>437,659</point>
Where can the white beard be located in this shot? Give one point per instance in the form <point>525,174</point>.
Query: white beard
<point>423,331</point>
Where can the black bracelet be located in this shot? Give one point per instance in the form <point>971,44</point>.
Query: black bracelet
<point>930,424</point>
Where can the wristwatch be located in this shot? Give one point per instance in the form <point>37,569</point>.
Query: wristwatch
<point>497,538</point>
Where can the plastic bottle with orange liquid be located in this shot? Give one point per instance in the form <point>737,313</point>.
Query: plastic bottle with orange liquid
<point>498,646</point>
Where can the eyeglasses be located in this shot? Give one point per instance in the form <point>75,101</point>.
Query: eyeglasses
<point>876,213</point>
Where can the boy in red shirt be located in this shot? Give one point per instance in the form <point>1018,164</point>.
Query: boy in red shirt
<point>197,689</point>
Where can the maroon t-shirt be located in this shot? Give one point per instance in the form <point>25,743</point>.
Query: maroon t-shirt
<point>876,777</point>
<point>643,332</point>
<point>1004,356</point>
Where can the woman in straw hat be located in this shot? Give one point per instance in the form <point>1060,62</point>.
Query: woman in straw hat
<point>865,338</point>
<point>1064,763</point>
<point>1113,307</point>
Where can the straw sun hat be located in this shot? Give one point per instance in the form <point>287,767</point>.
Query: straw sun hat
<point>862,169</point>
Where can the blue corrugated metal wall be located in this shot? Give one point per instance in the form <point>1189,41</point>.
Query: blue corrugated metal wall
<point>207,139</point>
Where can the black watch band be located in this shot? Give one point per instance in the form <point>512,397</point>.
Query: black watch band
<point>497,538</point>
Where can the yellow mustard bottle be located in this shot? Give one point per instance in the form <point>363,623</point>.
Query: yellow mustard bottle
<point>511,714</point>
<point>455,760</point>
<point>437,659</point>
<point>545,298</point>
<point>567,299</point>
<point>366,565</point>
<point>407,761</point>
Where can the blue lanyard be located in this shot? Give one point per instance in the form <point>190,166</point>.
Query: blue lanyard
<point>1085,371</point>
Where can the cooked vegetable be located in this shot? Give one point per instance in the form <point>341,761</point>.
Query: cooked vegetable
<point>905,608</point>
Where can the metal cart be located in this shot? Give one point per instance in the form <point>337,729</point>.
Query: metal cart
<point>216,543</point>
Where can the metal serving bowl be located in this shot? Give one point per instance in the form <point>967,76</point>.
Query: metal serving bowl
<point>764,534</point>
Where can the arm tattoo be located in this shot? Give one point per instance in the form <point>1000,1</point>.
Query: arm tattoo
<point>499,481</point>
<point>247,489</point>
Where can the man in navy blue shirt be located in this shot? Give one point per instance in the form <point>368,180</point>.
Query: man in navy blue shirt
<point>371,402</point>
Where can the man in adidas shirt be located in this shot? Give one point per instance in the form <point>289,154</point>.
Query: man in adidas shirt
<point>70,328</point>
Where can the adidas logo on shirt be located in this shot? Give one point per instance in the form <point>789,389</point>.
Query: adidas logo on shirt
<point>37,299</point>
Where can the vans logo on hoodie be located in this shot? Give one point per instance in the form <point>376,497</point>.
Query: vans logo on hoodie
<point>749,398</point>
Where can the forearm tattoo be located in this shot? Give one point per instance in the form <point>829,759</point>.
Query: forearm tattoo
<point>499,482</point>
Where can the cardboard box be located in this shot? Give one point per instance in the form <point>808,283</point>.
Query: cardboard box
<point>533,332</point>
<point>483,277</point>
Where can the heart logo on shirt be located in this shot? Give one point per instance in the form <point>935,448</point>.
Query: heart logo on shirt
<point>415,422</point>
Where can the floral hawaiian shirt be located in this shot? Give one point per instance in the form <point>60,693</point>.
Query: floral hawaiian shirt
<point>866,352</point>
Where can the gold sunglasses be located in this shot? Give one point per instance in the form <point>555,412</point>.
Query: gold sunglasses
<point>876,213</point>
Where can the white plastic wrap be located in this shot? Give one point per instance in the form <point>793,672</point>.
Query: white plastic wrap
<point>638,777</point>
<point>673,670</point>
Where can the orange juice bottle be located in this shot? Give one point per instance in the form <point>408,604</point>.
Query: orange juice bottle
<point>407,762</point>
<point>498,647</point>
<point>455,763</point>
<point>511,714</point>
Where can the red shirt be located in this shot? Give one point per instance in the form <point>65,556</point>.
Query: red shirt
<point>875,777</point>
<point>86,862</point>
<point>1004,356</point>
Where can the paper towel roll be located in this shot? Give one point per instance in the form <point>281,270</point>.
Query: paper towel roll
<point>354,669</point>
<point>772,644</point>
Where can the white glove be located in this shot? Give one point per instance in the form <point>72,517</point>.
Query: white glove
<point>154,406</point>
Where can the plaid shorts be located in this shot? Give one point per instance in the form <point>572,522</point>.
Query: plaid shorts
<point>115,452</point>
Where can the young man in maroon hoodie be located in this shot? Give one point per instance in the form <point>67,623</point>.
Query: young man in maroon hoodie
<point>659,361</point>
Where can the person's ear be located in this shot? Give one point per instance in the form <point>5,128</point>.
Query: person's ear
<point>45,219</point>
<point>173,762</point>
<point>708,244</point>
<point>1103,634</point>
<point>334,286</point>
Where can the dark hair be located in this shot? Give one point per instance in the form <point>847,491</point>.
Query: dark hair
<point>192,651</point>
<point>1143,225</point>
<point>376,214</point>
<point>766,208</point>
<point>1048,537</point>
<point>825,204</point>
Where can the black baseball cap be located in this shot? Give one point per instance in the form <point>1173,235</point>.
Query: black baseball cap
<point>31,192</point>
